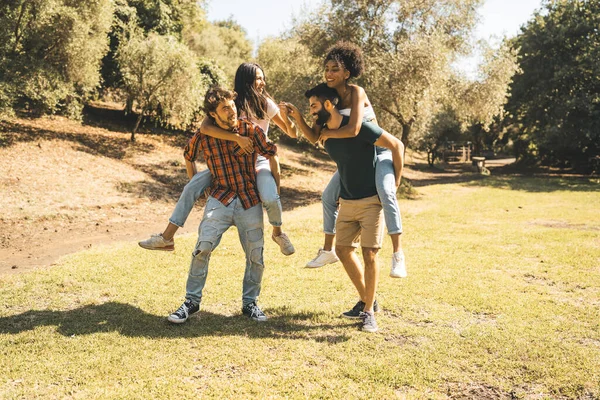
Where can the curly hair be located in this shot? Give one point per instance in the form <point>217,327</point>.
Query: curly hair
<point>214,96</point>
<point>348,55</point>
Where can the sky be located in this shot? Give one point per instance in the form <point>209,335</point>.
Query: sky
<point>264,18</point>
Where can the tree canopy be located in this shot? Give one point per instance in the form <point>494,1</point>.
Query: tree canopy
<point>555,102</point>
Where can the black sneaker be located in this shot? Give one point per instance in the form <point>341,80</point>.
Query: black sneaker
<point>254,312</point>
<point>368,322</point>
<point>358,309</point>
<point>183,313</point>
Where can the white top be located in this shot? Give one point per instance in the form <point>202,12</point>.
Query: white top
<point>368,115</point>
<point>272,111</point>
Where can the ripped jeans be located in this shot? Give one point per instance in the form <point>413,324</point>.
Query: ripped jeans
<point>216,220</point>
<point>267,189</point>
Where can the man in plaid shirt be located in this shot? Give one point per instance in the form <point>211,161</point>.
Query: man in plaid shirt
<point>232,200</point>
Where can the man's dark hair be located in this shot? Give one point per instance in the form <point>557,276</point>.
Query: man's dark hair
<point>348,55</point>
<point>214,96</point>
<point>324,92</point>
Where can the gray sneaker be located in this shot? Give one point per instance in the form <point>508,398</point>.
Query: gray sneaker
<point>368,322</point>
<point>285,244</point>
<point>158,242</point>
<point>358,308</point>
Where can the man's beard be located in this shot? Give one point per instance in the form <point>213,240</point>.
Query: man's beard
<point>225,122</point>
<point>322,116</point>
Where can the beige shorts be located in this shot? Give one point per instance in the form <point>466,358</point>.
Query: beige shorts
<point>360,221</point>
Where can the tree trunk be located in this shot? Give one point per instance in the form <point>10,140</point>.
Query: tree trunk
<point>406,128</point>
<point>128,106</point>
<point>137,124</point>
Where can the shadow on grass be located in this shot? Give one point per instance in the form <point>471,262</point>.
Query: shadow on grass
<point>540,184</point>
<point>131,321</point>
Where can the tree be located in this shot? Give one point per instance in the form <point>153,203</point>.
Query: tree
<point>482,101</point>
<point>50,52</point>
<point>286,80</point>
<point>555,102</point>
<point>223,42</point>
<point>160,72</point>
<point>178,18</point>
<point>408,47</point>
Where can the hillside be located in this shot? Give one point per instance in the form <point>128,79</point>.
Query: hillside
<point>67,186</point>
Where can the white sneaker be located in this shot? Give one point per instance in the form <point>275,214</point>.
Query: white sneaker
<point>158,242</point>
<point>286,246</point>
<point>323,257</point>
<point>398,265</point>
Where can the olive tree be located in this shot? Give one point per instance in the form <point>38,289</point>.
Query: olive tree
<point>50,52</point>
<point>161,73</point>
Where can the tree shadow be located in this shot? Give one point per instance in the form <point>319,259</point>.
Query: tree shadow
<point>106,146</point>
<point>131,321</point>
<point>117,120</point>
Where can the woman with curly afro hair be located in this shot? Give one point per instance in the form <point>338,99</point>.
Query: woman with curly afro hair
<point>343,62</point>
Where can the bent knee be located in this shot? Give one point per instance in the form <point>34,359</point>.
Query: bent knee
<point>203,249</point>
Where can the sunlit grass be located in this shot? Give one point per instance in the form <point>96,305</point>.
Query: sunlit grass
<point>502,299</point>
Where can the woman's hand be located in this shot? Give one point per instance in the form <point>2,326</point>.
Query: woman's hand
<point>246,144</point>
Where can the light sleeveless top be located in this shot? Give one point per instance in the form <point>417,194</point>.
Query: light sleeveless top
<point>272,110</point>
<point>369,113</point>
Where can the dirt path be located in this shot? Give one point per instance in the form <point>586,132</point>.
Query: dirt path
<point>67,187</point>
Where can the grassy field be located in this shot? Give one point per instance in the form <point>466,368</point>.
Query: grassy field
<point>502,301</point>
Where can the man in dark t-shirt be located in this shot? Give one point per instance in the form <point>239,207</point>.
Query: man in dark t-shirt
<point>360,218</point>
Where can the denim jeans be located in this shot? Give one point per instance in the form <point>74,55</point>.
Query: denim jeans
<point>385,181</point>
<point>216,220</point>
<point>267,189</point>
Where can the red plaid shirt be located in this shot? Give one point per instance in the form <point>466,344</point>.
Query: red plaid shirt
<point>233,173</point>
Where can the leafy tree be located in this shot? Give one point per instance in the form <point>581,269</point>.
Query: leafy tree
<point>482,101</point>
<point>161,73</point>
<point>165,17</point>
<point>287,81</point>
<point>50,52</point>
<point>408,47</point>
<point>224,42</point>
<point>555,102</point>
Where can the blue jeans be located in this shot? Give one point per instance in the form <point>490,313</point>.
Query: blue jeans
<point>267,189</point>
<point>385,181</point>
<point>216,220</point>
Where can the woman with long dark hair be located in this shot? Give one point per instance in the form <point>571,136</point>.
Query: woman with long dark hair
<point>252,102</point>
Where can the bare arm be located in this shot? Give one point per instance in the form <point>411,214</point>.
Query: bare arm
<point>210,129</point>
<point>391,142</point>
<point>190,167</point>
<point>275,170</point>
<point>359,98</point>
<point>301,123</point>
<point>283,121</point>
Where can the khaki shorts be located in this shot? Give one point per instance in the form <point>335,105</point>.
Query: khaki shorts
<point>360,219</point>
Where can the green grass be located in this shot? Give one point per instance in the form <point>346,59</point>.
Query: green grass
<point>502,301</point>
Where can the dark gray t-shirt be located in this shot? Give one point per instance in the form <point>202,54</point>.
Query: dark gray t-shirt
<point>355,158</point>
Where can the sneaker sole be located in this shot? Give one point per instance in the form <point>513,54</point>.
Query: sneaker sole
<point>349,317</point>
<point>309,265</point>
<point>167,248</point>
<point>392,275</point>
<point>176,321</point>
<point>288,253</point>
<point>370,330</point>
